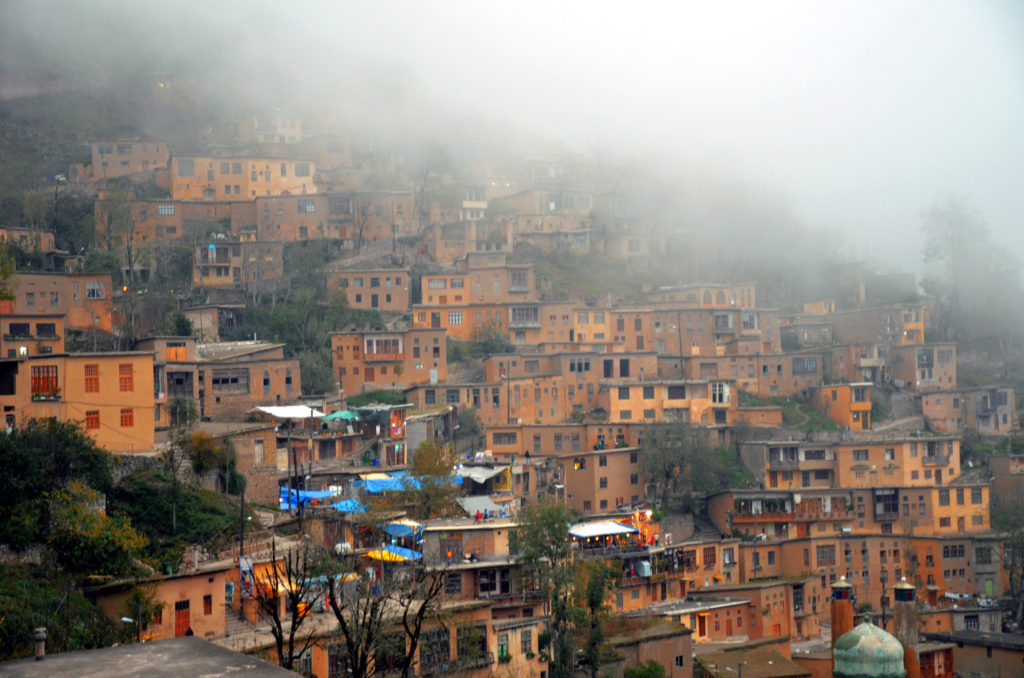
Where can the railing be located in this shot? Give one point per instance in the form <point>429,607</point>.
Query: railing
<point>784,463</point>
<point>936,459</point>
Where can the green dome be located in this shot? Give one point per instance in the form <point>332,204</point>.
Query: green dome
<point>868,652</point>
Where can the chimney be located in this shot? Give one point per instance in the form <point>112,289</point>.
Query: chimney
<point>40,638</point>
<point>842,611</point>
<point>905,625</point>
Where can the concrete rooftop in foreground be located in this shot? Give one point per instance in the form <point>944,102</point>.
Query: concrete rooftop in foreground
<point>189,656</point>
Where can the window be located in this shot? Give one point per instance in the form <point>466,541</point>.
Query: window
<point>943,497</point>
<point>435,650</point>
<point>429,396</point>
<point>301,169</point>
<point>805,365</point>
<point>455,318</point>
<point>579,365</point>
<point>960,496</point>
<point>944,522</point>
<point>94,290</point>
<point>92,420</point>
<point>125,378</point>
<point>524,314</point>
<point>92,378</point>
<point>634,479</point>
<point>826,555</point>
<point>860,455</point>
<point>306,206</point>
<point>451,396</point>
<point>44,380</point>
<point>719,394</point>
<point>975,495</point>
<point>709,556</point>
<point>677,393</point>
<point>526,641</point>
<point>453,583</point>
<point>623,393</point>
<point>257,453</point>
<point>127,417</point>
<point>230,380</point>
<point>207,604</point>
<point>186,167</point>
<point>30,299</point>
<point>18,330</point>
<point>505,437</point>
<point>603,482</point>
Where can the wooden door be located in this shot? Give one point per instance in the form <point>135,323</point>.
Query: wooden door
<point>182,621</point>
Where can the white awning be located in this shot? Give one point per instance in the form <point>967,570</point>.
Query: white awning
<point>600,528</point>
<point>480,474</point>
<point>288,411</point>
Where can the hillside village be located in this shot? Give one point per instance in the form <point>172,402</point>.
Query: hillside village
<point>732,454</point>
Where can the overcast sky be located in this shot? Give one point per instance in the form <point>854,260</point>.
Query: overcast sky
<point>859,113</point>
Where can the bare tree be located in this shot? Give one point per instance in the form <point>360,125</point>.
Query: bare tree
<point>1006,517</point>
<point>370,612</point>
<point>288,580</point>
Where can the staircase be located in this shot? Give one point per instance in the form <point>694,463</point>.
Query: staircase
<point>233,626</point>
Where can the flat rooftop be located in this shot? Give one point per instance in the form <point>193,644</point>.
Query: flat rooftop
<point>187,656</point>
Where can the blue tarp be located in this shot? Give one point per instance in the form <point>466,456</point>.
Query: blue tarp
<point>349,506</point>
<point>403,530</point>
<point>291,499</point>
<point>399,480</point>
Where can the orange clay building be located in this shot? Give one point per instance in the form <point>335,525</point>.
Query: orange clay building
<point>379,215</point>
<point>760,374</point>
<point>209,178</point>
<point>988,410</point>
<point>706,295</point>
<point>236,376</point>
<point>84,300</point>
<point>895,461</point>
<point>930,367</point>
<point>237,265</point>
<point>110,393</point>
<point>374,360</point>
<point>598,481</point>
<point>25,335</point>
<point>847,405</point>
<point>774,514</point>
<point>112,159</point>
<point>698,402</point>
<point>186,603</point>
<point>383,289</point>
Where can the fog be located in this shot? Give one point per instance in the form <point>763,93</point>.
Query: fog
<point>854,115</point>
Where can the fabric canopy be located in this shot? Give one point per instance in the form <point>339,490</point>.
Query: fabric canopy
<point>404,527</point>
<point>288,411</point>
<point>600,528</point>
<point>345,415</point>
<point>481,474</point>
<point>394,554</point>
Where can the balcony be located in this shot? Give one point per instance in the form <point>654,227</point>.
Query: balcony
<point>523,324</point>
<point>383,357</point>
<point>940,460</point>
<point>518,288</point>
<point>783,463</point>
<point>761,518</point>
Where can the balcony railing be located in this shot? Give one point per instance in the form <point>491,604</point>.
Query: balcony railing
<point>378,357</point>
<point>750,518</point>
<point>783,463</point>
<point>936,459</point>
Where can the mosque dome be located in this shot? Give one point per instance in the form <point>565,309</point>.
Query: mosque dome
<point>868,652</point>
